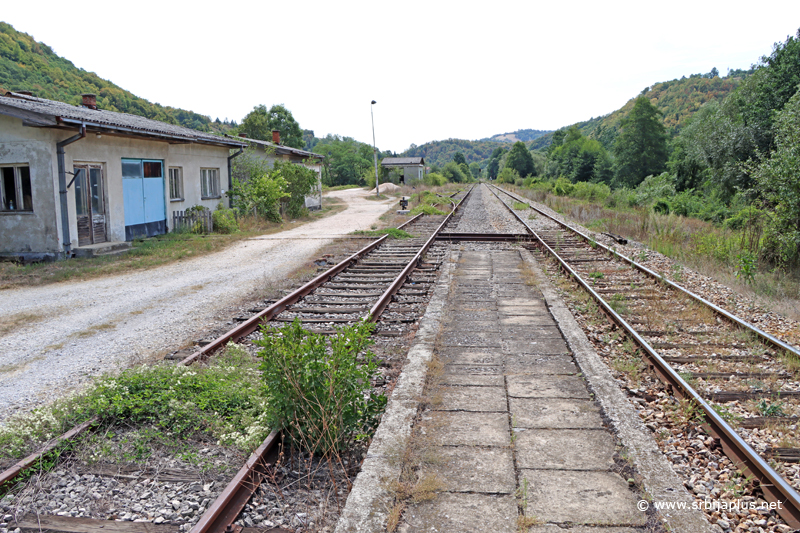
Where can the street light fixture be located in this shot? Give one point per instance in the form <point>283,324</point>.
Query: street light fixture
<point>374,151</point>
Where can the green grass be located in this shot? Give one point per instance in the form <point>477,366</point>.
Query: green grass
<point>427,210</point>
<point>393,233</point>
<point>519,206</point>
<point>225,400</point>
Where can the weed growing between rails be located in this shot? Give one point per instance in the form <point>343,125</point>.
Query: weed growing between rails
<point>320,392</point>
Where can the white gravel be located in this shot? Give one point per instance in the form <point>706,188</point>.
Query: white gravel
<point>483,213</point>
<point>102,325</point>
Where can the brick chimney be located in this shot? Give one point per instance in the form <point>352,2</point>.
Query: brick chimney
<point>89,100</point>
<point>244,135</point>
<point>276,136</point>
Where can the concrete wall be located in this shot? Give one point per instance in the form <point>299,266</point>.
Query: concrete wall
<point>413,172</point>
<point>40,231</point>
<point>37,231</point>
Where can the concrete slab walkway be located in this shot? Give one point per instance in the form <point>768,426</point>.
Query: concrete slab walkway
<point>516,437</point>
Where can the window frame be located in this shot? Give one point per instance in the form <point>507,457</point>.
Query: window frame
<point>213,182</point>
<point>18,188</point>
<point>178,171</point>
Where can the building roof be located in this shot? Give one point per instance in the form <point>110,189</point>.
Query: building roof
<point>40,112</point>
<point>402,161</point>
<point>281,149</point>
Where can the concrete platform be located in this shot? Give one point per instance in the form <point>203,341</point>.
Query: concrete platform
<point>601,498</point>
<point>554,413</point>
<point>510,426</point>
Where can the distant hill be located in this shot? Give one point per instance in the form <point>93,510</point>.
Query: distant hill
<point>519,135</point>
<point>28,65</point>
<point>678,100</point>
<point>441,152</point>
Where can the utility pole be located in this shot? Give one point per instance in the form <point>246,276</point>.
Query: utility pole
<point>374,151</point>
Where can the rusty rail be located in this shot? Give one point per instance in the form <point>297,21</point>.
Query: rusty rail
<point>773,485</point>
<point>236,333</point>
<point>398,282</point>
<point>221,514</point>
<point>11,473</point>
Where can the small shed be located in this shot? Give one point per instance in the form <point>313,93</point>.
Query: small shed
<point>412,168</point>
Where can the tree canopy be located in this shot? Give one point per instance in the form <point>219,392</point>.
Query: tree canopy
<point>641,147</point>
<point>519,159</point>
<point>259,123</point>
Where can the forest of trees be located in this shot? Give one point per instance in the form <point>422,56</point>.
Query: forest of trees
<point>27,65</point>
<point>725,151</point>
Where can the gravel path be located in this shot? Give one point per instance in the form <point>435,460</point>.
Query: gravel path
<point>483,213</point>
<point>92,327</point>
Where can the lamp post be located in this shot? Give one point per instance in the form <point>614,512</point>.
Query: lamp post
<point>374,151</point>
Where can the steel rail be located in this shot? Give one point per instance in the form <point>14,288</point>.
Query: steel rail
<point>251,324</point>
<point>770,339</point>
<point>223,511</point>
<point>398,282</point>
<point>234,334</point>
<point>773,485</point>
<point>12,472</point>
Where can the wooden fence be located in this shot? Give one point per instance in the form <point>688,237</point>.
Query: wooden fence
<point>194,221</point>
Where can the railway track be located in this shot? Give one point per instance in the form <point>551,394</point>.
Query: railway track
<point>704,355</point>
<point>386,282</point>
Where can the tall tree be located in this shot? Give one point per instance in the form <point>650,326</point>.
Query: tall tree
<point>641,147</point>
<point>493,167</point>
<point>520,159</point>
<point>776,181</point>
<point>458,159</point>
<point>259,123</point>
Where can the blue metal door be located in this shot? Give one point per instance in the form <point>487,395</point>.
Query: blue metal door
<point>143,198</point>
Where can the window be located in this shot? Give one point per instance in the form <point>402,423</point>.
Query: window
<point>175,183</point>
<point>15,189</point>
<point>209,183</point>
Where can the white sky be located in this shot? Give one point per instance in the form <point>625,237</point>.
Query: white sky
<point>437,69</point>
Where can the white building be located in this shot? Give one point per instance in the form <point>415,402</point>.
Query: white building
<point>76,176</point>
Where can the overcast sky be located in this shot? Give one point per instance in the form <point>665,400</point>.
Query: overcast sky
<point>436,69</point>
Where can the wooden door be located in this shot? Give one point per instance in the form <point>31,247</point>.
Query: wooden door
<point>90,206</point>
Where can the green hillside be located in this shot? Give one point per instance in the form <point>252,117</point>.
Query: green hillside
<point>519,135</point>
<point>678,100</point>
<point>28,65</point>
<point>441,152</point>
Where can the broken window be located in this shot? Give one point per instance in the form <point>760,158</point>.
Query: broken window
<point>15,188</point>
<point>209,182</point>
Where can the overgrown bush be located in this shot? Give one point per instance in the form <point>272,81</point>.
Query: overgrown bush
<point>591,191</point>
<point>508,175</point>
<point>319,389</point>
<point>259,194</point>
<point>300,181</point>
<point>224,220</point>
<point>563,187</point>
<point>661,207</point>
<point>434,179</point>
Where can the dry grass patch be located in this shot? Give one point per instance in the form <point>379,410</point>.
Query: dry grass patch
<point>11,323</point>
